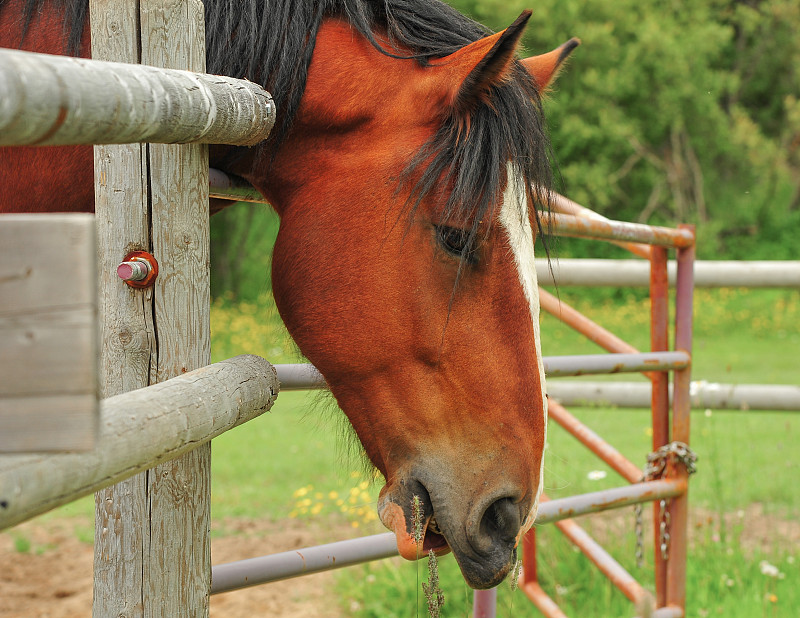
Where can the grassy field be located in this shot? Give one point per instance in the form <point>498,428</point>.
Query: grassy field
<point>295,463</point>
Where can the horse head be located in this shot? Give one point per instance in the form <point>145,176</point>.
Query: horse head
<point>403,270</point>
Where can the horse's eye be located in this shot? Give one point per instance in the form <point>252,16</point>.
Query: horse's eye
<point>457,242</point>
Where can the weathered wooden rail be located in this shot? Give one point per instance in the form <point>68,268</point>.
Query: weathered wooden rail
<point>55,100</point>
<point>137,430</point>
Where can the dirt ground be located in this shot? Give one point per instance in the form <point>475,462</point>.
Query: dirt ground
<point>52,576</point>
<point>46,570</point>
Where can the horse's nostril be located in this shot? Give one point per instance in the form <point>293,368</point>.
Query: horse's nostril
<point>500,522</point>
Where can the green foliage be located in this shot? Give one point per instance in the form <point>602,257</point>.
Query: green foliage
<point>242,237</point>
<point>676,112</point>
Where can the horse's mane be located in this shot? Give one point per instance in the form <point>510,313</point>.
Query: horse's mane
<point>270,42</point>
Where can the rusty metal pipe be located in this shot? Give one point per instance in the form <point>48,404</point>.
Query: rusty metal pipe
<point>529,572</point>
<point>607,499</point>
<point>563,366</point>
<point>681,406</point>
<point>484,603</point>
<point>612,569</point>
<point>561,204</point>
<point>627,469</point>
<point>569,225</point>
<point>660,396</point>
<point>543,603</point>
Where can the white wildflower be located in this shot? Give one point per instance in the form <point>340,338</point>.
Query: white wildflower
<point>770,570</point>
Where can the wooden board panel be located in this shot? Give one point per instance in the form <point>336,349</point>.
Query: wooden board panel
<point>48,333</point>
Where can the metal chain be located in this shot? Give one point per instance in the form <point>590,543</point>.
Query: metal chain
<point>663,530</point>
<point>656,465</point>
<point>639,529</point>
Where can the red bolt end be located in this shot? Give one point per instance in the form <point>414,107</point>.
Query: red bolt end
<point>125,271</point>
<point>139,269</point>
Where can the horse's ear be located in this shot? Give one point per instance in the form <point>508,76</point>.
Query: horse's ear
<point>545,68</point>
<point>473,69</point>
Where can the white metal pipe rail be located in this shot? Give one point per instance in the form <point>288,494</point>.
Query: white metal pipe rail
<point>57,100</point>
<point>302,376</point>
<point>713,395</point>
<point>633,273</point>
<point>275,567</point>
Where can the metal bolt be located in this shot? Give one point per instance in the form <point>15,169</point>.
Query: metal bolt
<point>138,269</point>
<point>135,270</point>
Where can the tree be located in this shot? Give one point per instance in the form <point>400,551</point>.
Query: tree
<point>677,111</point>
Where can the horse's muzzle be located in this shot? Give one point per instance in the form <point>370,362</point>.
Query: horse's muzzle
<point>483,540</point>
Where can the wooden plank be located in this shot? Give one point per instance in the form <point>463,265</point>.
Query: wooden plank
<point>138,428</point>
<point>48,423</point>
<point>49,352</point>
<point>48,261</point>
<point>48,333</point>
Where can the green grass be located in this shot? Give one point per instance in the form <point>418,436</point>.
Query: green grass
<point>22,544</point>
<point>740,336</point>
<point>293,462</point>
<point>287,462</point>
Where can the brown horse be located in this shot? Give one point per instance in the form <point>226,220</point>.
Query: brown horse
<point>407,157</point>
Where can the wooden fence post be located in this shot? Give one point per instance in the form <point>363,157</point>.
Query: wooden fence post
<point>152,552</point>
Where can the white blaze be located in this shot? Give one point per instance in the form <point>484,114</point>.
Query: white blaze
<point>516,220</point>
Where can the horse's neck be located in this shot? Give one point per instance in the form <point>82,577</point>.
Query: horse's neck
<point>355,99</point>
